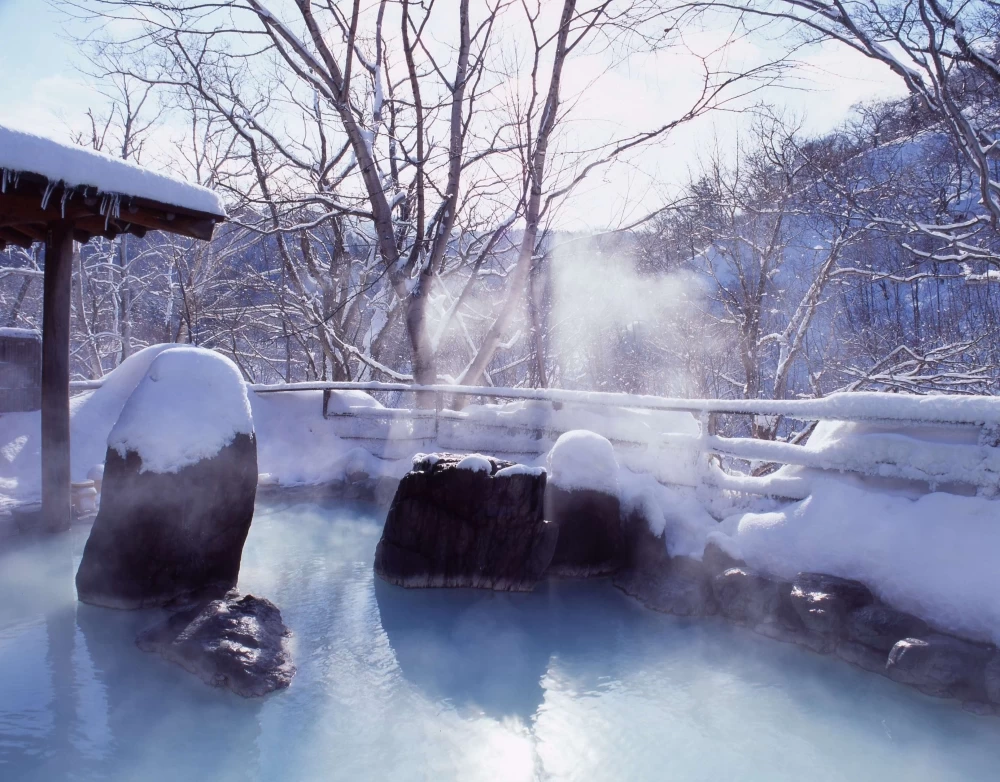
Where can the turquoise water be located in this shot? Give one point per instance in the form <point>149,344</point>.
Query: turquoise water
<point>574,681</point>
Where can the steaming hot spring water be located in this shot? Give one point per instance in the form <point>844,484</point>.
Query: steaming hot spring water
<point>572,681</point>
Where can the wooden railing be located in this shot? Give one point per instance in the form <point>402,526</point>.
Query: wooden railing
<point>943,443</point>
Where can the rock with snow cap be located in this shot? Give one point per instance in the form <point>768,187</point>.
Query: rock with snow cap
<point>466,521</point>
<point>582,498</point>
<point>178,490</point>
<point>237,643</point>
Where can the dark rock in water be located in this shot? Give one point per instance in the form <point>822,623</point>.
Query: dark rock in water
<point>456,527</point>
<point>858,654</point>
<point>979,708</point>
<point>782,631</point>
<point>240,643</point>
<point>163,538</point>
<point>941,665</point>
<point>591,537</point>
<point>673,585</point>
<point>823,602</point>
<point>746,596</point>
<point>879,626</point>
<point>992,674</point>
<point>717,560</point>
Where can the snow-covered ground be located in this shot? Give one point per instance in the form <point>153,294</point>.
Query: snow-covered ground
<point>929,552</point>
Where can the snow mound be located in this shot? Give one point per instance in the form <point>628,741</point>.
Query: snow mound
<point>475,462</point>
<point>671,511</point>
<point>191,404</point>
<point>583,460</point>
<point>75,166</point>
<point>519,469</point>
<point>934,556</point>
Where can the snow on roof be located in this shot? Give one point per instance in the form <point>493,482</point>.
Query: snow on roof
<point>74,166</point>
<point>189,406</point>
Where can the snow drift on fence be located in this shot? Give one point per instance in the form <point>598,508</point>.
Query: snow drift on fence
<point>74,166</point>
<point>934,555</point>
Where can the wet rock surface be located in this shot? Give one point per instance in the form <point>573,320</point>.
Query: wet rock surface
<point>456,527</point>
<point>673,585</point>
<point>823,602</point>
<point>746,596</point>
<point>718,560</point>
<point>239,643</point>
<point>168,538</point>
<point>879,626</point>
<point>940,665</point>
<point>591,537</point>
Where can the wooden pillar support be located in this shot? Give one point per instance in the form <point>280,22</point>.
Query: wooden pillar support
<point>56,511</point>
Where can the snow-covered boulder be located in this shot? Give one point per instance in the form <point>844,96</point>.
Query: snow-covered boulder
<point>454,523</point>
<point>238,643</point>
<point>178,488</point>
<point>581,497</point>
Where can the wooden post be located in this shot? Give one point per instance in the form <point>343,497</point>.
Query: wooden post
<point>56,513</point>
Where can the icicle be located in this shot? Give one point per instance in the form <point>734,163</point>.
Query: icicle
<point>67,194</point>
<point>49,189</point>
<point>110,207</point>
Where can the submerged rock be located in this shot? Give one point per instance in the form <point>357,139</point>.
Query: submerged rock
<point>471,521</point>
<point>178,489</point>
<point>941,665</point>
<point>591,538</point>
<point>823,602</point>
<point>239,643</point>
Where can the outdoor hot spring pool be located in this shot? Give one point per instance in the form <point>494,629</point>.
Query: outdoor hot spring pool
<point>574,681</point>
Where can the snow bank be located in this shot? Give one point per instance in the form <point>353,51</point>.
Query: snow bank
<point>22,152</point>
<point>671,511</point>
<point>191,404</point>
<point>583,460</point>
<point>934,556</point>
<point>296,446</point>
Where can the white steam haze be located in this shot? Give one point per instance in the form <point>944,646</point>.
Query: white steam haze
<point>611,321</point>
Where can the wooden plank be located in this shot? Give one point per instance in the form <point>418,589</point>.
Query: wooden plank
<point>56,500</point>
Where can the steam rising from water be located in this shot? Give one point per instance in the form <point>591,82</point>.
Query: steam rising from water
<point>616,329</point>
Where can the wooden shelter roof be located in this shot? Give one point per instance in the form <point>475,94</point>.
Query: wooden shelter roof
<point>43,182</point>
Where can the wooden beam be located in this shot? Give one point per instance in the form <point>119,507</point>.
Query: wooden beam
<point>56,502</point>
<point>15,237</point>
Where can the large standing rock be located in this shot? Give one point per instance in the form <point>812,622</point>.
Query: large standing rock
<point>239,643</point>
<point>941,665</point>
<point>468,521</point>
<point>581,496</point>
<point>823,602</point>
<point>178,489</point>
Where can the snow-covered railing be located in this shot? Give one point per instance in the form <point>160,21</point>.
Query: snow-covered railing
<point>946,442</point>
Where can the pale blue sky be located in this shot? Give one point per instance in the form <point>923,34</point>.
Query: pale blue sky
<point>41,89</point>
